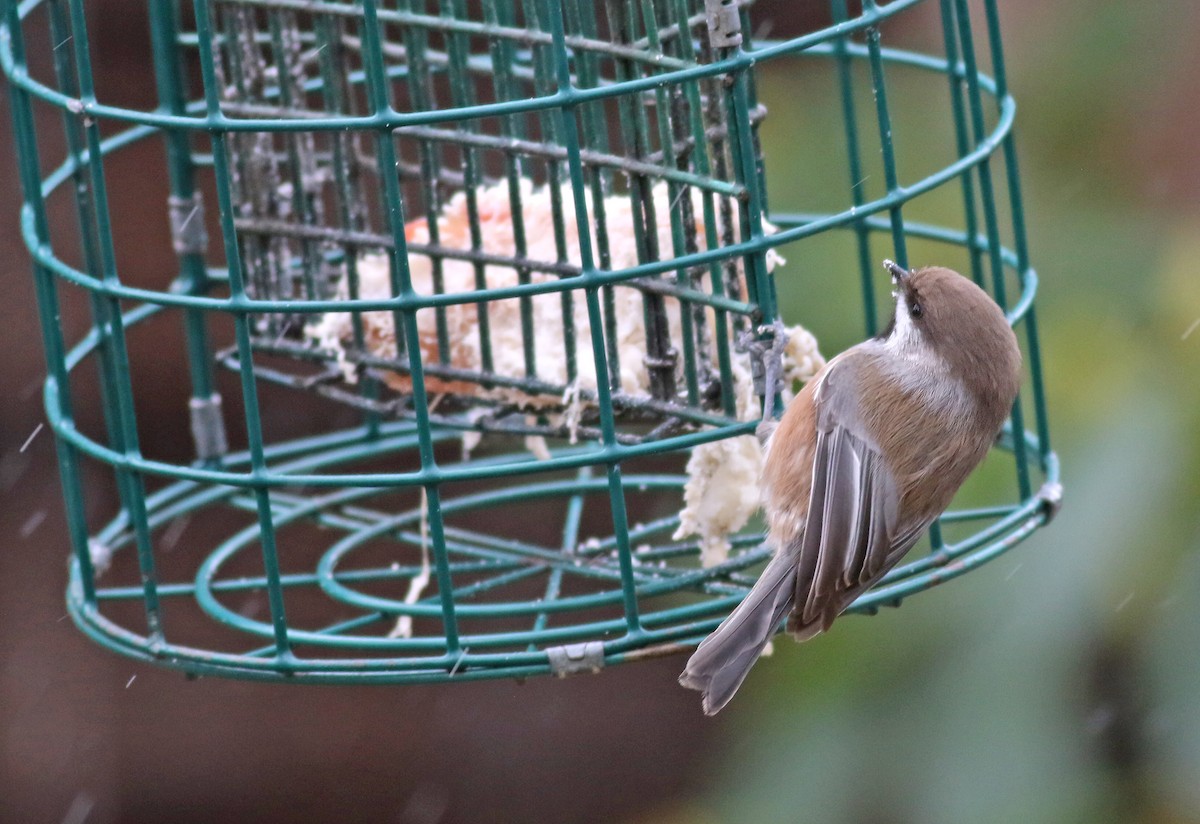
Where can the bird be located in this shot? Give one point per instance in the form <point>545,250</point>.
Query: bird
<point>863,460</point>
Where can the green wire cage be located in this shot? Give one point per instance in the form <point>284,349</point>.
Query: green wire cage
<point>541,224</point>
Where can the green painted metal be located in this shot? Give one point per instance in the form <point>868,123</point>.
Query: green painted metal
<point>599,101</point>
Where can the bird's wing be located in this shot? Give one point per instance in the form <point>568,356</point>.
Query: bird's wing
<point>854,532</point>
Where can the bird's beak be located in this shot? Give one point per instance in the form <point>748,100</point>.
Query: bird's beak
<point>899,273</point>
<point>900,277</point>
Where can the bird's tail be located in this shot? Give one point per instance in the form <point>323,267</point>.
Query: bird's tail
<point>721,662</point>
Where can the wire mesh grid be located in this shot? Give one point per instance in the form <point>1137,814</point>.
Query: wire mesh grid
<point>337,136</point>
<point>674,140</point>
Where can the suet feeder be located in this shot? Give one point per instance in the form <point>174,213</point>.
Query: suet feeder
<point>526,246</point>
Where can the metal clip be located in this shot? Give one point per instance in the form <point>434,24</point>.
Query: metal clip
<point>724,23</point>
<point>208,427</point>
<point>188,233</point>
<point>101,556</point>
<point>576,658</point>
<point>1051,496</point>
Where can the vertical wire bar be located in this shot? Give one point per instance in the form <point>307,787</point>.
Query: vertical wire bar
<point>283,54</point>
<point>616,490</point>
<point>660,349</point>
<point>636,143</point>
<point>255,184</point>
<point>596,128</point>
<point>124,387</point>
<point>711,238</point>
<point>1020,241</point>
<point>883,117</point>
<point>347,195</point>
<point>620,23</point>
<point>891,177</point>
<point>462,96</point>
<point>570,542</point>
<point>752,99</point>
<point>760,170</point>
<point>85,213</point>
<point>58,390</point>
<point>238,302</point>
<point>405,316</point>
<point>255,258</point>
<point>543,79</point>
<point>962,139</point>
<point>419,75</point>
<point>193,276</point>
<point>675,193</point>
<point>511,126</point>
<point>991,224</point>
<point>715,119</point>
<point>746,171</point>
<point>862,233</point>
<point>699,335</point>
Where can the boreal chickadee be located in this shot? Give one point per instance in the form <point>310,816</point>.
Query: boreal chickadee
<point>864,459</point>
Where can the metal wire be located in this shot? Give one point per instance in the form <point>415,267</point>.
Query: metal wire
<point>322,129</point>
<point>287,244</point>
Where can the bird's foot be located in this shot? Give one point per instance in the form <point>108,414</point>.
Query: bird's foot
<point>765,345</point>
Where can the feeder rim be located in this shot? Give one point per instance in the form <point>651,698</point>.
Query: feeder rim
<point>388,118</point>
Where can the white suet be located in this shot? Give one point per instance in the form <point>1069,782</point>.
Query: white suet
<point>722,491</point>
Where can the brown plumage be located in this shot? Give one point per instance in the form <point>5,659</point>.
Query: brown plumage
<point>865,458</point>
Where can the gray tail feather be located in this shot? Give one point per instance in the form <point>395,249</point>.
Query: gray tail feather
<point>722,661</point>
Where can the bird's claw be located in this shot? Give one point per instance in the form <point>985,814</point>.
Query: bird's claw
<point>766,359</point>
<point>752,340</point>
<point>779,336</point>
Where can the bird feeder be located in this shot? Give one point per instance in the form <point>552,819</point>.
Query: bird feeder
<point>522,252</point>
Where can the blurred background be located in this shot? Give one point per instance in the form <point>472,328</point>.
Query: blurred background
<point>1057,684</point>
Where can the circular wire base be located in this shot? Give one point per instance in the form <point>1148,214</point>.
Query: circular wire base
<point>365,602</point>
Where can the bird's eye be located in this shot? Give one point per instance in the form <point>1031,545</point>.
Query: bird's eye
<point>915,310</point>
